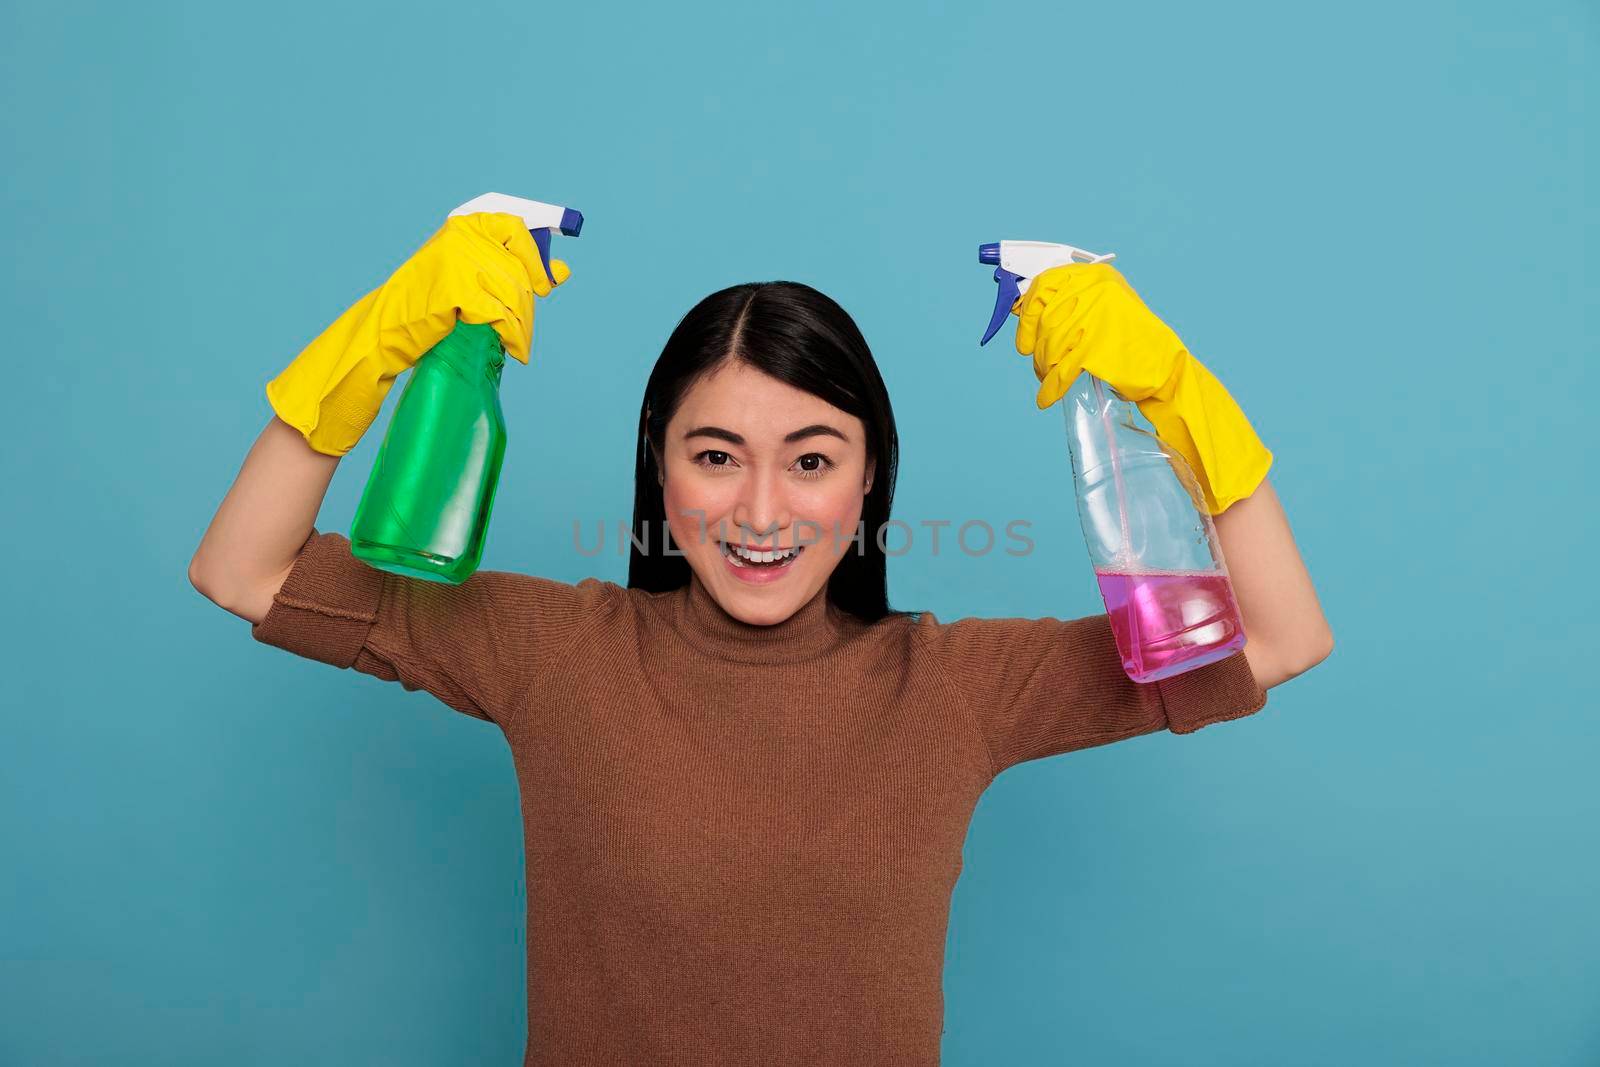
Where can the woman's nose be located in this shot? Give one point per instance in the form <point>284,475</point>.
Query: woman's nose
<point>762,511</point>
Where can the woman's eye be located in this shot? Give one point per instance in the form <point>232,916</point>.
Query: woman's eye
<point>811,465</point>
<point>824,465</point>
<point>716,458</point>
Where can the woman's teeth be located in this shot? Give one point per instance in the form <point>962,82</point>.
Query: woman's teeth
<point>743,556</point>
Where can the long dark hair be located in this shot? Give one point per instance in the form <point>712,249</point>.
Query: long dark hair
<point>801,337</point>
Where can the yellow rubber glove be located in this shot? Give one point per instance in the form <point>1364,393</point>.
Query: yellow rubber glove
<point>1085,316</point>
<point>481,268</point>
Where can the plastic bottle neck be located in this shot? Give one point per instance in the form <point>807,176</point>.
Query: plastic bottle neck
<point>474,349</point>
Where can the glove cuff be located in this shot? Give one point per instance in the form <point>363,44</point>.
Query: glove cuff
<point>333,389</point>
<point>1197,416</point>
<point>333,424</point>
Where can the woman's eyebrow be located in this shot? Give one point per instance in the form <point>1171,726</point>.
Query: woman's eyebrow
<point>816,429</point>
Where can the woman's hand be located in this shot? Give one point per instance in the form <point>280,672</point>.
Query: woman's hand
<point>1085,316</point>
<point>480,268</point>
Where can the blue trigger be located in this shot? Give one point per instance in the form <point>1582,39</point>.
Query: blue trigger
<point>541,238</point>
<point>1007,294</point>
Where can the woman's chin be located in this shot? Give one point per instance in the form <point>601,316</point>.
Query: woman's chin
<point>756,595</point>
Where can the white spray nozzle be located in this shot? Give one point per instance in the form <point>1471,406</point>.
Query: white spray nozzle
<point>1026,259</point>
<point>1016,262</point>
<point>534,215</point>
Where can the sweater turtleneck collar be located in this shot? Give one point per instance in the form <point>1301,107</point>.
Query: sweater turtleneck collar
<point>815,627</point>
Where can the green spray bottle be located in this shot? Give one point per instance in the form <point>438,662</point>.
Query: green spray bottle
<point>425,510</point>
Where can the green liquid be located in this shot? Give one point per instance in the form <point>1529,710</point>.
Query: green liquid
<point>425,511</point>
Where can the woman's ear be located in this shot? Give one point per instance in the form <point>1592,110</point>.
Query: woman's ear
<point>872,467</point>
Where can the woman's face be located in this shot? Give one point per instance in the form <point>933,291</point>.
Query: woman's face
<point>749,460</point>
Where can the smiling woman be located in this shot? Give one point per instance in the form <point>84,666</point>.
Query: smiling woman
<point>766,425</point>
<point>737,511</point>
<point>745,779</point>
<point>748,550</point>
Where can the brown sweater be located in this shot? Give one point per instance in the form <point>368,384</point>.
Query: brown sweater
<point>741,841</point>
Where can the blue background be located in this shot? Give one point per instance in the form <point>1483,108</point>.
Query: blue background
<point>1372,221</point>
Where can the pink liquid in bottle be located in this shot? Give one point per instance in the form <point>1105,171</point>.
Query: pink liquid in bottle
<point>1168,622</point>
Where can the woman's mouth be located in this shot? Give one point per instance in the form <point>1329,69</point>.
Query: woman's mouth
<point>760,565</point>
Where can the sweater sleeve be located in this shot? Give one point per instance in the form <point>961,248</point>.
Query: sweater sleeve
<point>478,646</point>
<point>1040,687</point>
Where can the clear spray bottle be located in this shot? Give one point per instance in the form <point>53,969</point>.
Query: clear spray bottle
<point>1150,536</point>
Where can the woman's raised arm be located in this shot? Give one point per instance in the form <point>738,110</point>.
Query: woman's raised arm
<point>1286,633</point>
<point>1086,317</point>
<point>263,521</point>
<point>480,268</point>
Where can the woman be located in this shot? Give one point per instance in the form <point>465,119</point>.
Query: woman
<point>745,780</point>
